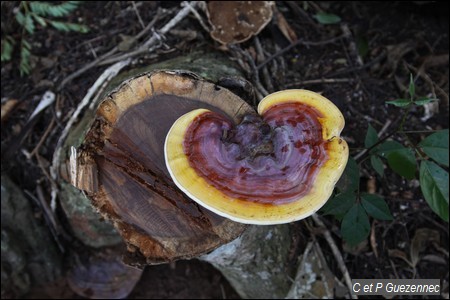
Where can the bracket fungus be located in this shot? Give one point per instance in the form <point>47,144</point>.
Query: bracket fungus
<point>276,167</point>
<point>235,22</point>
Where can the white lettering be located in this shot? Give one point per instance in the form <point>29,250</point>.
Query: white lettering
<point>389,287</point>
<point>379,286</point>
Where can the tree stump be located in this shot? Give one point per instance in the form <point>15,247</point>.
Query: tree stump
<point>121,165</point>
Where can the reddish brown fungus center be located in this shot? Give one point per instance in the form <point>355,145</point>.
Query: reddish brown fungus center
<point>270,159</point>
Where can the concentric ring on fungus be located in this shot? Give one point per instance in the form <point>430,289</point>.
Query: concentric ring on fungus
<point>275,167</point>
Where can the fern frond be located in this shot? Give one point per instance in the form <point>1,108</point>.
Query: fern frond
<point>63,26</point>
<point>40,8</point>
<point>7,48</point>
<point>26,21</point>
<point>25,53</point>
<point>54,10</point>
<point>40,20</point>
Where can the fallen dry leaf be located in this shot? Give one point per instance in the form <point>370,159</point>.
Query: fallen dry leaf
<point>7,108</point>
<point>284,27</point>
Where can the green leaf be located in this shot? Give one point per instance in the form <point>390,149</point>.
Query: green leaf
<point>78,27</point>
<point>339,204</point>
<point>24,66</point>
<point>62,26</point>
<point>355,225</point>
<point>376,206</point>
<point>400,159</point>
<point>39,7</point>
<point>377,164</point>
<point>40,20</point>
<point>434,185</point>
<point>436,146</point>
<point>362,45</point>
<point>388,147</point>
<point>326,19</point>
<point>412,87</point>
<point>349,180</point>
<point>20,18</point>
<point>425,100</point>
<point>403,162</point>
<point>53,10</point>
<point>399,102</point>
<point>7,48</point>
<point>26,21</point>
<point>371,137</point>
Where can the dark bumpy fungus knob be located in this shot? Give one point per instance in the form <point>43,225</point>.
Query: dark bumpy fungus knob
<point>274,168</point>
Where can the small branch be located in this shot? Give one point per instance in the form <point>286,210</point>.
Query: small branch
<point>419,131</point>
<point>321,81</point>
<point>48,215</point>
<point>337,254</point>
<point>96,62</point>
<point>155,37</point>
<point>352,45</point>
<point>265,71</point>
<point>261,91</point>
<point>137,14</point>
<point>44,136</point>
<point>360,68</point>
<point>382,131</point>
<point>298,43</point>
<point>197,16</point>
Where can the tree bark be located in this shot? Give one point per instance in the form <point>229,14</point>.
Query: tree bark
<point>257,264</point>
<point>30,256</point>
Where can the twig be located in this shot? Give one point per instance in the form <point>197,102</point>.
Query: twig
<point>421,72</point>
<point>322,80</point>
<point>260,90</point>
<point>48,215</point>
<point>47,99</point>
<point>197,16</point>
<point>298,43</point>
<point>359,68</point>
<point>265,72</point>
<point>281,68</point>
<point>325,268</point>
<point>367,117</point>
<point>337,254</point>
<point>297,289</point>
<point>382,131</point>
<point>137,14</point>
<point>107,75</point>
<point>394,268</point>
<point>44,136</point>
<point>155,37</point>
<point>104,56</point>
<point>352,45</point>
<point>419,131</point>
<point>303,15</point>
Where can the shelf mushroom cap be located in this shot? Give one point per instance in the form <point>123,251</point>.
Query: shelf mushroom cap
<point>234,22</point>
<point>278,167</point>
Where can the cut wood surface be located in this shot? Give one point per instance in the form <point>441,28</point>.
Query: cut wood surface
<point>121,165</point>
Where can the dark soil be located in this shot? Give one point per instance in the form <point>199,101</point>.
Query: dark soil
<point>394,39</point>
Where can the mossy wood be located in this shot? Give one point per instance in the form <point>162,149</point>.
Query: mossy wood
<point>121,165</point>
